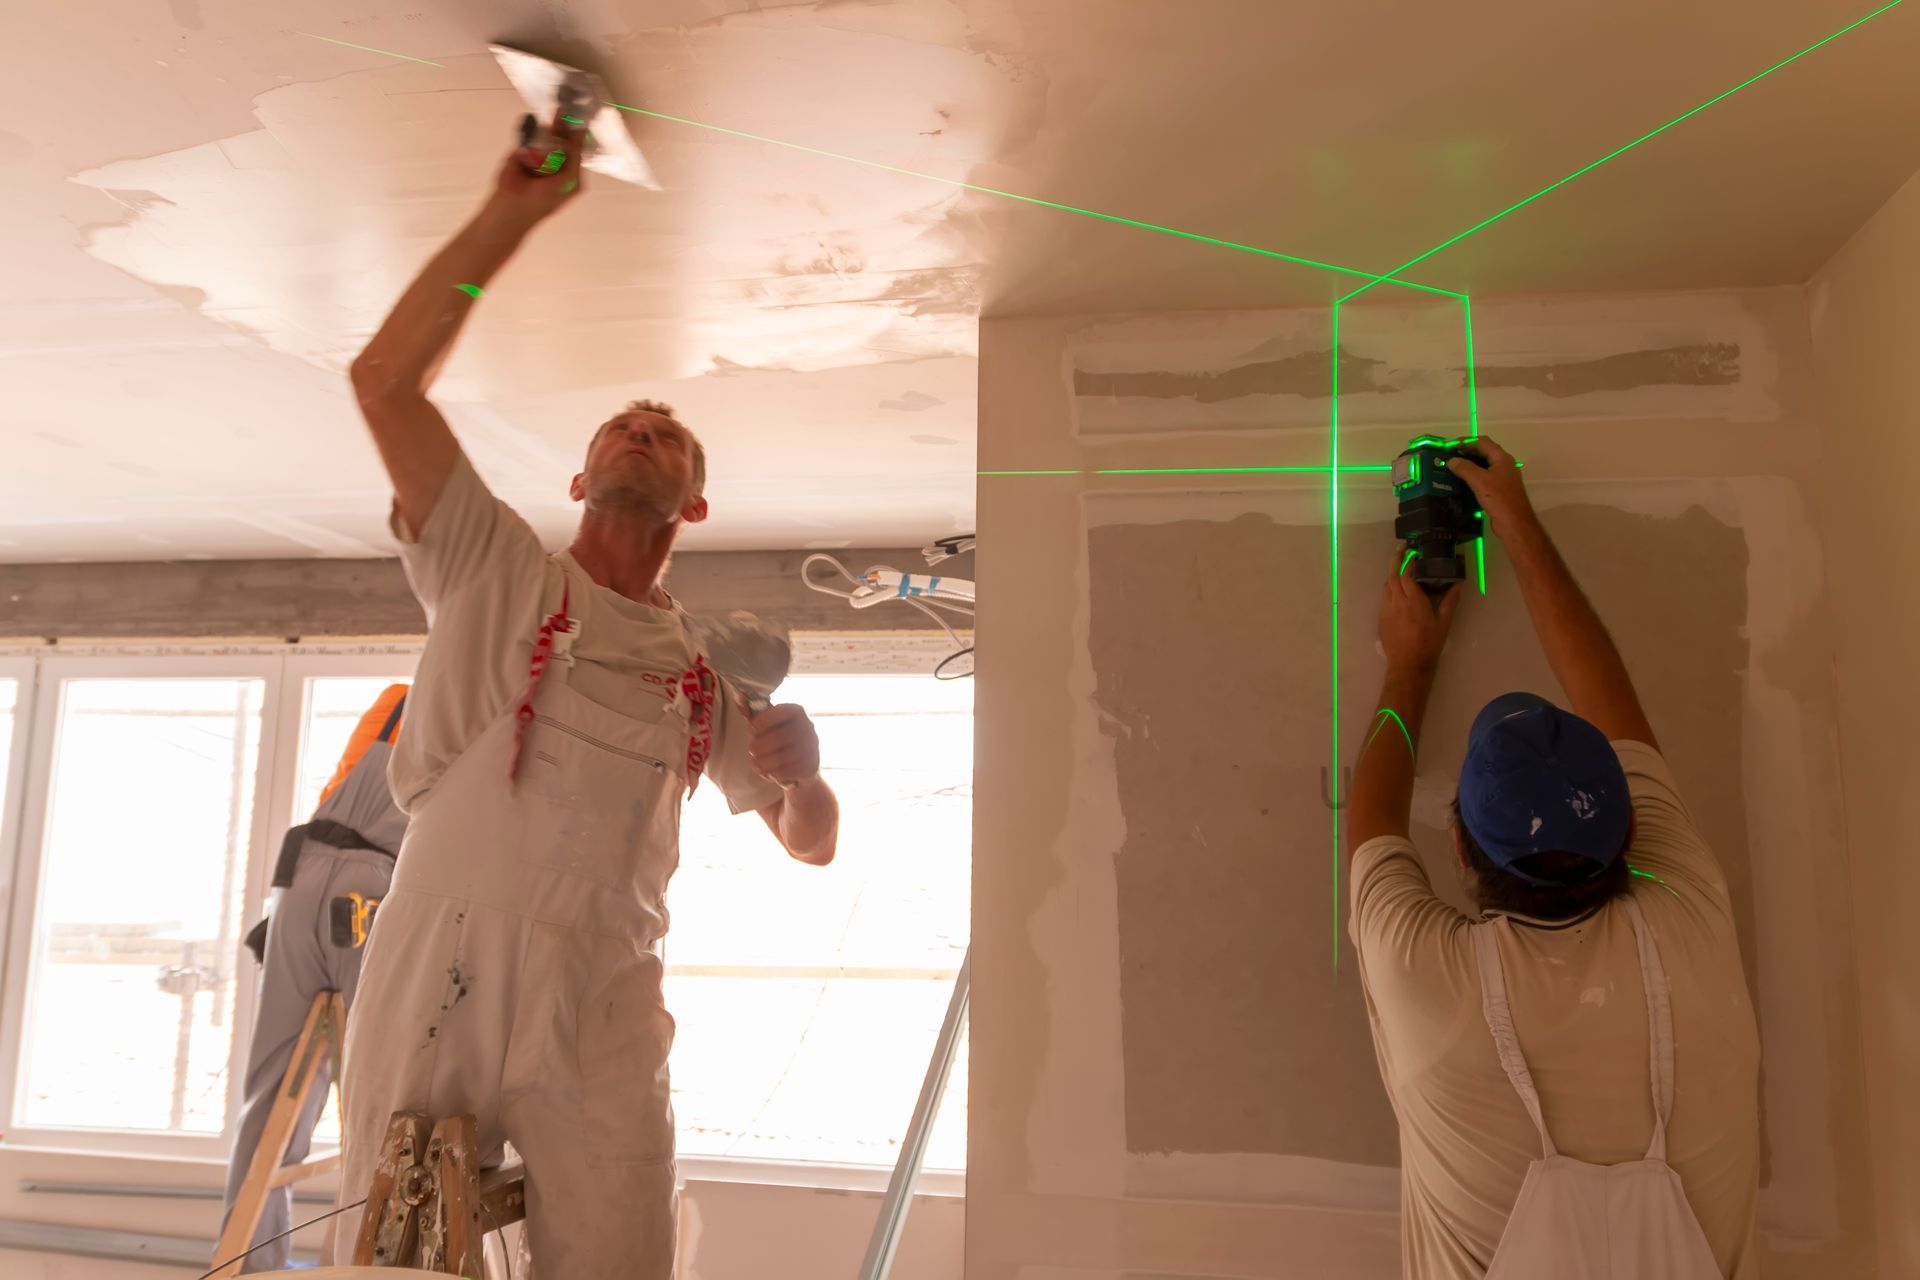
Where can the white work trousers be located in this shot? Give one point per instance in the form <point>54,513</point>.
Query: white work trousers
<point>515,975</point>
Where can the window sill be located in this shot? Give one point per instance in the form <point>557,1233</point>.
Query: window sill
<point>56,1169</point>
<point>801,1173</point>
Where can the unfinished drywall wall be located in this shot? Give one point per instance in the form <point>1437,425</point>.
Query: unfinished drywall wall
<point>1169,1074</point>
<point>1866,327</point>
<point>1205,694</point>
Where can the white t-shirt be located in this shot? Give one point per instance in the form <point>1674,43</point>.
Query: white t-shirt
<point>486,584</point>
<point>1578,1004</point>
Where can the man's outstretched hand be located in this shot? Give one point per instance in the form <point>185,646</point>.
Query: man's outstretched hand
<point>524,193</point>
<point>1413,629</point>
<point>1498,486</point>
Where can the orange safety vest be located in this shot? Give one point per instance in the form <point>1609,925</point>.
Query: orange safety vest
<point>373,727</point>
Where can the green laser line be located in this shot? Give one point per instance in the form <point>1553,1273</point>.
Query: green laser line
<point>1650,876</point>
<point>1473,390</point>
<point>965,186</point>
<point>367,48</point>
<point>1473,433</point>
<point>1223,471</point>
<point>1036,200</point>
<point>1645,137</point>
<point>471,290</point>
<point>1369,468</point>
<point>1333,616</point>
<point>1380,722</point>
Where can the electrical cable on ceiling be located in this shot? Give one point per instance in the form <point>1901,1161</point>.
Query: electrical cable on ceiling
<point>924,592</point>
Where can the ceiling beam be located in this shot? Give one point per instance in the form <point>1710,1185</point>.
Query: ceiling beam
<point>318,599</point>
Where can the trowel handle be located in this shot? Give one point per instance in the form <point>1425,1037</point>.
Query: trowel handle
<point>544,150</point>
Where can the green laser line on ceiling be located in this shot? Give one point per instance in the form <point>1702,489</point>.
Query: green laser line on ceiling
<point>1622,150</point>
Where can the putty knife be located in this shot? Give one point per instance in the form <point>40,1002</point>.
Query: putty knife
<point>547,86</point>
<point>753,656</point>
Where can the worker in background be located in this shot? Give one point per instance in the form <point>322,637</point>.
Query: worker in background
<point>1576,1069</point>
<point>345,851</point>
<point>559,716</point>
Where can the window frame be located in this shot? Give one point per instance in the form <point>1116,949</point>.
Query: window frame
<point>287,670</point>
<point>24,669</point>
<point>843,654</point>
<point>25,923</point>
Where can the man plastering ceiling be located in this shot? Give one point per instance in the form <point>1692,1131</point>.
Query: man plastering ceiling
<point>559,715</point>
<point>1576,1073</point>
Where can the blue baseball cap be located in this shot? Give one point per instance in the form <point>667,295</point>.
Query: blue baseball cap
<point>1541,780</point>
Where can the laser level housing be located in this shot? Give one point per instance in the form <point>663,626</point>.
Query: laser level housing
<point>1438,512</point>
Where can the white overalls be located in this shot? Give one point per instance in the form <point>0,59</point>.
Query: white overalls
<point>1580,1221</point>
<point>515,971</point>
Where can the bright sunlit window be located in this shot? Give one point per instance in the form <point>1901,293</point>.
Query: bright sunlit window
<point>9,699</point>
<point>334,706</point>
<point>130,1014</point>
<point>808,998</point>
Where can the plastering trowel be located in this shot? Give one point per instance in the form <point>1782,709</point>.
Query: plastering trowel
<point>752,655</point>
<point>552,88</point>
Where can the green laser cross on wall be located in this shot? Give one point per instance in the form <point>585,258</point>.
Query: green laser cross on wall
<point>1370,280</point>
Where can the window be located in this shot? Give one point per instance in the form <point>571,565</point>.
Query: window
<point>156,789</point>
<point>808,999</point>
<point>146,839</point>
<point>9,702</point>
<point>334,706</point>
<point>150,793</point>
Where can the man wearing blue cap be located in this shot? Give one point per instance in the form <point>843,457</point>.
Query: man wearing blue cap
<point>1575,1072</point>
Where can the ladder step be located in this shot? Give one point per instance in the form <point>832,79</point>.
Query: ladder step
<point>287,1175</point>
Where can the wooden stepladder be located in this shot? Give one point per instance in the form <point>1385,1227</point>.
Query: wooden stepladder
<point>430,1206</point>
<point>325,1029</point>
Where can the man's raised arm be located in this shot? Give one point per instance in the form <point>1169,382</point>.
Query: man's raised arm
<point>392,375</point>
<point>1582,654</point>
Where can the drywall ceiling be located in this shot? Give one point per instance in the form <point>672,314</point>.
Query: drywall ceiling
<point>210,204</point>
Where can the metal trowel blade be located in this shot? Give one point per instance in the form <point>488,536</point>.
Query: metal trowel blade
<point>538,81</point>
<point>751,655</point>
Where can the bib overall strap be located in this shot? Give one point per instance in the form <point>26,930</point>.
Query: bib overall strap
<point>1506,1043</point>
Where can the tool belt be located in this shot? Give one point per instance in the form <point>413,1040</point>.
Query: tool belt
<point>325,831</point>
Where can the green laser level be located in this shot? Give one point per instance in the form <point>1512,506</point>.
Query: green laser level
<point>1438,512</point>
